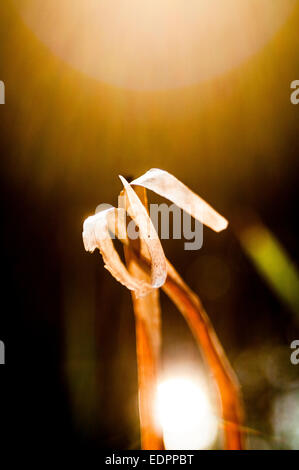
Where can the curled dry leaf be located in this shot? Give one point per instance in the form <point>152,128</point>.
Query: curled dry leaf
<point>168,186</point>
<point>147,233</point>
<point>96,234</point>
<point>96,230</point>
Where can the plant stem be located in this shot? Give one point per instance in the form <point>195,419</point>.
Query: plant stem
<point>227,383</point>
<point>148,341</point>
<point>229,390</point>
<point>147,314</point>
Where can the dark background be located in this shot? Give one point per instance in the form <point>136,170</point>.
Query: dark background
<point>70,375</point>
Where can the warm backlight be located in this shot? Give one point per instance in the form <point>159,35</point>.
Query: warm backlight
<point>154,44</point>
<point>185,414</point>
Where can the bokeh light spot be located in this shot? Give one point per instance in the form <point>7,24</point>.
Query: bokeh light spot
<point>185,414</point>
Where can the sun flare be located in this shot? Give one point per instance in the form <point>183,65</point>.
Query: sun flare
<point>185,414</point>
<point>158,44</point>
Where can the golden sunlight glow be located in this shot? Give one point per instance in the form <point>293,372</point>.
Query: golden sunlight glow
<point>156,44</point>
<point>185,414</point>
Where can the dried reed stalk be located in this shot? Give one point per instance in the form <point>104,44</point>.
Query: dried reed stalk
<point>143,256</point>
<point>227,383</point>
<point>148,342</point>
<point>194,313</point>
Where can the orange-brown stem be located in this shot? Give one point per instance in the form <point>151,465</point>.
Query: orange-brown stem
<point>194,313</point>
<point>191,308</point>
<point>148,340</point>
<point>147,313</point>
<point>151,436</point>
